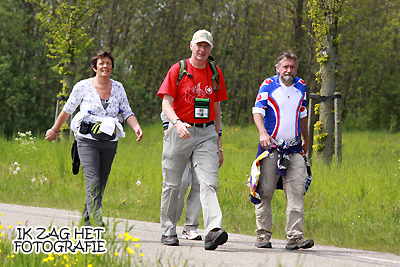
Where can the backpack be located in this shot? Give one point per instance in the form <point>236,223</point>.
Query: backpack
<point>215,76</point>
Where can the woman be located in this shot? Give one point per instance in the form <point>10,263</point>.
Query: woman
<point>97,128</point>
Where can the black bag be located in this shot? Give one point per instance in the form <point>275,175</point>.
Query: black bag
<point>75,158</point>
<point>93,129</point>
<point>85,127</point>
<point>97,134</point>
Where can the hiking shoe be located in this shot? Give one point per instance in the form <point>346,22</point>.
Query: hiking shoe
<point>300,242</point>
<point>98,224</point>
<point>170,240</point>
<point>86,221</point>
<point>214,238</point>
<point>102,224</point>
<point>262,242</point>
<point>191,235</point>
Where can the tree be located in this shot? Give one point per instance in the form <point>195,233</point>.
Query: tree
<point>326,22</point>
<point>26,80</point>
<point>67,37</point>
<point>370,66</point>
<point>148,36</point>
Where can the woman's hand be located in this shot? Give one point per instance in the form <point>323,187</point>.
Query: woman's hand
<point>51,135</point>
<point>134,124</point>
<point>139,133</point>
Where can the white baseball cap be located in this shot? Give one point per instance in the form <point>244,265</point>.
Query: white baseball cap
<point>202,36</point>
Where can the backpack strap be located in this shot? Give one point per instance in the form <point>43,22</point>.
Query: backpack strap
<point>215,76</point>
<point>183,71</point>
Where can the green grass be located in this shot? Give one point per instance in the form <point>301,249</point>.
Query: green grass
<point>355,204</point>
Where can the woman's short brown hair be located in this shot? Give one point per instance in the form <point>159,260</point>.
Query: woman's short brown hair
<point>101,55</point>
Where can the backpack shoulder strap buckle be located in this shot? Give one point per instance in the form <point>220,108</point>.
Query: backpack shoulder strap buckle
<point>215,76</point>
<point>183,71</point>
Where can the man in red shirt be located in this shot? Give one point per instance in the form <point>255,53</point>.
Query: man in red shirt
<point>193,108</point>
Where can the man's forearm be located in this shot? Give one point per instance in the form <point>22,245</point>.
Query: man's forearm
<point>304,128</point>
<point>217,109</point>
<point>167,108</point>
<point>259,122</point>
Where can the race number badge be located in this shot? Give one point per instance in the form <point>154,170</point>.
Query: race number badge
<point>201,108</point>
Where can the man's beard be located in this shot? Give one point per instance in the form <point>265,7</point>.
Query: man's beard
<point>288,78</point>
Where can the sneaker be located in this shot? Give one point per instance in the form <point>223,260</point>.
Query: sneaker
<point>170,240</point>
<point>214,238</point>
<point>191,235</point>
<point>300,242</point>
<point>262,242</point>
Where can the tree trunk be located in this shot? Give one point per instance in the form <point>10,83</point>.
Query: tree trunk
<point>68,83</point>
<point>68,80</point>
<point>328,85</point>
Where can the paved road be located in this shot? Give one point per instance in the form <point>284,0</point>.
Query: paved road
<point>238,251</point>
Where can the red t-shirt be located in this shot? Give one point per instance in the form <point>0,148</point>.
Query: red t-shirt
<point>200,86</point>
